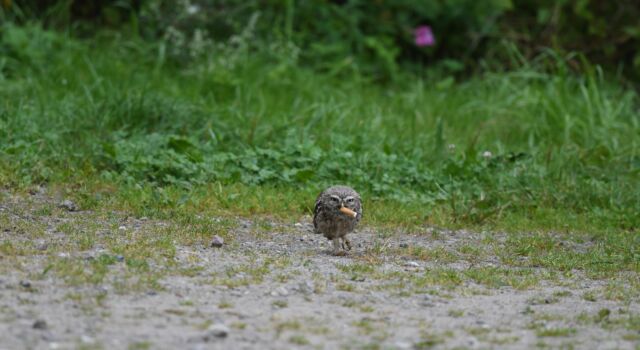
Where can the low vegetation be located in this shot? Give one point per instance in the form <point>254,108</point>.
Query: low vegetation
<point>256,133</point>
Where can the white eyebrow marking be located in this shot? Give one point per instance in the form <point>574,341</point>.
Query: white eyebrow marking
<point>336,197</point>
<point>348,198</point>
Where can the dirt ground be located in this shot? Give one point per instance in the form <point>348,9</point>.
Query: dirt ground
<point>274,285</point>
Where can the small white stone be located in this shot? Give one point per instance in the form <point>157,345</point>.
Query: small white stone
<point>403,345</point>
<point>218,330</point>
<point>282,291</point>
<point>411,264</point>
<point>122,228</point>
<point>68,205</point>
<point>487,154</point>
<point>87,339</point>
<point>216,242</point>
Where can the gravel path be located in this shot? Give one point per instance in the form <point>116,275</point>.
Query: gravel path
<point>274,285</point>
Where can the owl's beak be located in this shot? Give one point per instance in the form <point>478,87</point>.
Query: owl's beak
<point>349,212</point>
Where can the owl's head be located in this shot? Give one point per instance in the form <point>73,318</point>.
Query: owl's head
<point>337,201</point>
<point>336,197</point>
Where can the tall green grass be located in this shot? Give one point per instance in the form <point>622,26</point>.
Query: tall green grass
<point>490,148</point>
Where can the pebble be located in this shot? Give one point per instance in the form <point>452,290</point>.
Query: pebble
<point>282,291</point>
<point>404,245</point>
<point>89,256</point>
<point>119,258</point>
<point>297,224</point>
<point>85,339</point>
<point>40,324</point>
<point>38,190</point>
<point>217,330</point>
<point>306,287</point>
<point>473,343</point>
<point>25,284</point>
<point>217,242</point>
<point>403,345</point>
<point>483,324</point>
<point>427,301</point>
<point>68,205</point>
<point>42,246</point>
<point>122,228</point>
<point>411,264</point>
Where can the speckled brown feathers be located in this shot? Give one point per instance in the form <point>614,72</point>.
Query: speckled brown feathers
<point>333,224</point>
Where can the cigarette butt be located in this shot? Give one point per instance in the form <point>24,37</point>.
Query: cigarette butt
<point>349,212</point>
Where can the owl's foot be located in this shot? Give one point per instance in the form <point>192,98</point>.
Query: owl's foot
<point>337,251</point>
<point>346,244</point>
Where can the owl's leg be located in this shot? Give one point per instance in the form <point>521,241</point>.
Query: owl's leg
<point>346,244</point>
<point>336,247</point>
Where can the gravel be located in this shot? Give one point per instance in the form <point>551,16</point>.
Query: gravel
<point>226,299</point>
<point>40,324</point>
<point>68,205</point>
<point>216,242</point>
<point>216,331</point>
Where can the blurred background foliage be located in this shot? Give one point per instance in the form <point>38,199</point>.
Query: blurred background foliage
<point>517,109</point>
<point>369,37</point>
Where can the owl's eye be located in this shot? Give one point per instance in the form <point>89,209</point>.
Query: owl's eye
<point>350,200</point>
<point>334,199</point>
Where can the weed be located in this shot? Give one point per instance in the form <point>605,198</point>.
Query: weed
<point>346,287</point>
<point>555,332</point>
<point>280,303</point>
<point>365,325</point>
<point>298,340</point>
<point>144,345</point>
<point>455,313</point>
<point>292,325</point>
<point>590,296</point>
<point>239,325</point>
<point>430,340</point>
<point>224,304</point>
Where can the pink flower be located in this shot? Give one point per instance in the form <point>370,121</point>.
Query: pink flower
<point>424,36</point>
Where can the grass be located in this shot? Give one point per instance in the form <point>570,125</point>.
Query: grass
<point>555,332</point>
<point>548,157</point>
<point>113,117</point>
<point>298,340</point>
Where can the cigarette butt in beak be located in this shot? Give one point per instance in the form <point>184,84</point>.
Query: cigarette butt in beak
<point>349,212</point>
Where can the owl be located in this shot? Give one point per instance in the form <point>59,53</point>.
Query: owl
<point>331,219</point>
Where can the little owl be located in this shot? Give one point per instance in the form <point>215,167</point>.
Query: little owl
<point>329,220</point>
